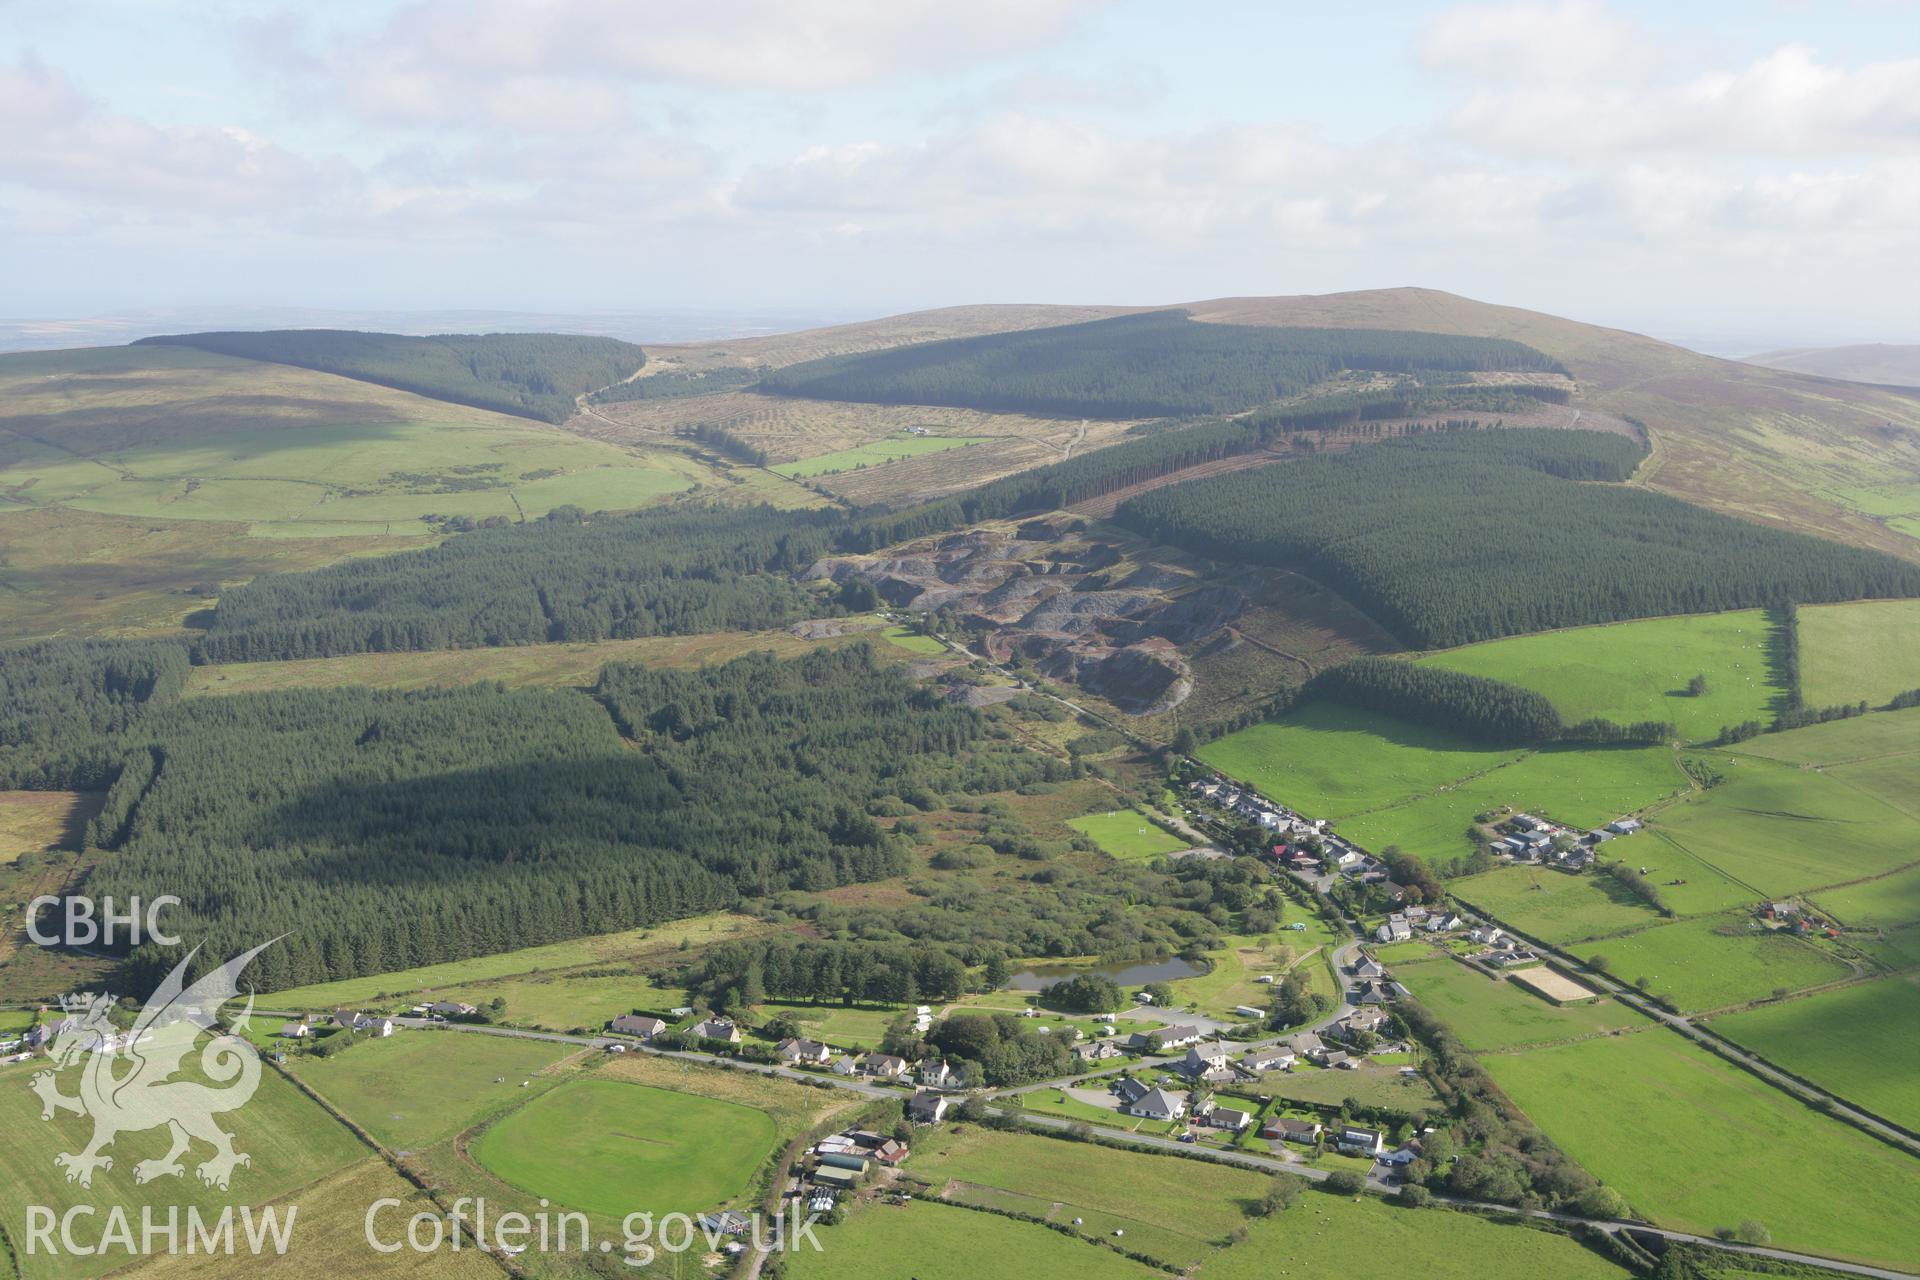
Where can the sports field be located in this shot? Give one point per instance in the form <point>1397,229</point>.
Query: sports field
<point>1861,652</point>
<point>1128,835</point>
<point>610,1147</point>
<point>1709,1146</point>
<point>290,1140</point>
<point>1714,961</point>
<point>877,453</point>
<point>1859,1042</point>
<point>1493,1013</point>
<point>944,1242</point>
<point>414,1088</point>
<point>1639,670</point>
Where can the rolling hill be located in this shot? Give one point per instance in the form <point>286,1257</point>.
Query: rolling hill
<point>1886,363</point>
<point>1837,459</point>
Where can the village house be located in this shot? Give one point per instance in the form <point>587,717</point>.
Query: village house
<point>1213,1115</point>
<point>452,1009</point>
<point>1288,1129</point>
<point>844,1065</point>
<point>1276,1058</point>
<point>288,1031</point>
<point>1306,1044</point>
<point>809,1052</point>
<point>1367,1021</point>
<point>1208,1055</point>
<point>1158,1104</point>
<point>1369,968</point>
<point>1325,1057</point>
<point>936,1073</point>
<point>1486,933</point>
<point>927,1108</point>
<point>1395,929</point>
<point>1443,922</point>
<point>1176,1037</point>
<point>884,1066</point>
<point>716,1029</point>
<point>1355,1141</point>
<point>638,1024</point>
<point>1095,1051</point>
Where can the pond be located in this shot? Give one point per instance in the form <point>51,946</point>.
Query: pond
<point>1128,973</point>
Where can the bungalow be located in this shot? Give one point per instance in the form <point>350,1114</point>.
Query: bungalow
<point>716,1029</point>
<point>1369,968</point>
<point>1326,1057</point>
<point>1095,1051</point>
<point>936,1073</point>
<point>1158,1104</point>
<point>1360,1021</point>
<point>1371,993</point>
<point>1444,922</point>
<point>1396,929</point>
<point>810,1052</point>
<point>1175,1037</point>
<point>927,1108</point>
<point>452,1009</point>
<point>1275,1058</point>
<point>1306,1043</point>
<point>844,1065</point>
<point>1624,826</point>
<point>1130,1091</point>
<point>638,1024</point>
<point>1208,1055</point>
<point>1231,1119</point>
<point>1486,933</point>
<point>1347,859</point>
<point>288,1031</point>
<point>1288,1129</point>
<point>1355,1141</point>
<point>884,1066</point>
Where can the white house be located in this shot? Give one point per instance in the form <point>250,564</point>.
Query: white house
<point>1394,929</point>
<point>937,1074</point>
<point>1355,1141</point>
<point>1208,1055</point>
<point>638,1024</point>
<point>1176,1037</point>
<point>809,1052</point>
<point>1271,1059</point>
<point>1158,1104</point>
<point>884,1066</point>
<point>927,1108</point>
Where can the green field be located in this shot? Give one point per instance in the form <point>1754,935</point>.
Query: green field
<point>1494,1013</point>
<point>414,1088</point>
<point>159,432</point>
<point>1324,1234</point>
<point>1859,1042</point>
<point>941,1242</point>
<point>1892,902</point>
<point>1696,1143</point>
<point>1332,761</point>
<point>1715,961</point>
<point>1552,905</point>
<point>1581,787</point>
<point>1783,829</point>
<point>616,1148</point>
<point>391,990</point>
<point>1872,737</point>
<point>1128,835</point>
<point>1639,670</point>
<point>290,1140</point>
<point>874,454</point>
<point>913,642</point>
<point>1863,652</point>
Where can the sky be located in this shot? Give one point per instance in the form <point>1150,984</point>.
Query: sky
<point>1735,175</point>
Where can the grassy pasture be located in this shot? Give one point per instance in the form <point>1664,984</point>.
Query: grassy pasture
<point>1784,829</point>
<point>329,1237</point>
<point>1323,1234</point>
<point>1639,670</point>
<point>393,990</point>
<point>1859,1042</point>
<point>1891,902</point>
<point>153,432</point>
<point>1707,1145</point>
<point>1552,905</point>
<point>414,1088</point>
<point>1127,834</point>
<point>612,1147</point>
<point>517,665</point>
<point>1869,737</point>
<point>1378,1085</point>
<point>1715,961</point>
<point>939,1242</point>
<point>872,454</point>
<point>1862,652</point>
<point>1173,1209</point>
<point>1494,1013</point>
<point>292,1142</point>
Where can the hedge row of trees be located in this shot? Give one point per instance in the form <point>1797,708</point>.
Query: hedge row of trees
<point>532,375</point>
<point>1157,364</point>
<point>735,975</point>
<point>1452,538</point>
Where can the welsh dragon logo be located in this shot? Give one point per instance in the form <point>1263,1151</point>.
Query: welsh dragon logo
<point>146,1097</point>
